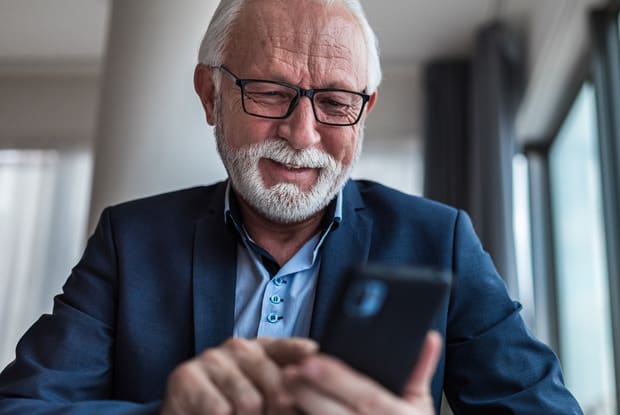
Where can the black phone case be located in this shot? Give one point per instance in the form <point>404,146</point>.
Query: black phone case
<point>381,317</point>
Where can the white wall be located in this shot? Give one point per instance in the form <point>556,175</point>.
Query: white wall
<point>393,144</point>
<point>40,110</point>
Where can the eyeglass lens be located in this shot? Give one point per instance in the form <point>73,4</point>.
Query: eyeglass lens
<point>269,99</point>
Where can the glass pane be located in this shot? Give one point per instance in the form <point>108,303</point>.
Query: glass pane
<point>584,312</point>
<point>521,225</point>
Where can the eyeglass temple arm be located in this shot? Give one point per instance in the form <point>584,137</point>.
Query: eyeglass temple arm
<point>226,72</point>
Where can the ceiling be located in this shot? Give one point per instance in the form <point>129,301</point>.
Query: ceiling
<point>58,30</point>
<point>39,31</point>
<point>413,31</point>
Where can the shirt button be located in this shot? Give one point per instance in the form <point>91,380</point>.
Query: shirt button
<point>275,299</point>
<point>273,318</point>
<point>279,281</point>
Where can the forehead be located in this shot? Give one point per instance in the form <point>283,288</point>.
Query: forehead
<point>305,38</point>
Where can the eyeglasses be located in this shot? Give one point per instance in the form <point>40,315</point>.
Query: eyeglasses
<point>277,100</point>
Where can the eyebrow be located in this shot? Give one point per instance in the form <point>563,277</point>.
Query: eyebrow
<point>330,85</point>
<point>278,77</point>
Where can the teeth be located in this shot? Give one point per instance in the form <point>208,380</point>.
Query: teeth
<point>290,166</point>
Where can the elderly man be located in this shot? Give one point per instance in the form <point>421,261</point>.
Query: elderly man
<point>197,302</point>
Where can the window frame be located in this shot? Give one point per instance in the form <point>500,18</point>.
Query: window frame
<point>600,66</point>
<point>606,76</point>
<point>544,270</point>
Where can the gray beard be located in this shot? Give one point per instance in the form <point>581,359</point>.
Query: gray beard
<point>283,202</point>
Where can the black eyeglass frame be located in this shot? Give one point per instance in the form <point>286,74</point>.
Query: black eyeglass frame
<point>301,92</point>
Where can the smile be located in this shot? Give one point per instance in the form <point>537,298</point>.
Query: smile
<point>293,167</point>
<point>289,172</point>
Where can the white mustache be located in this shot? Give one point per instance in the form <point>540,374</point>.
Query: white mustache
<point>281,152</point>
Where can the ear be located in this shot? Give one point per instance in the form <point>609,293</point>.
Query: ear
<point>205,88</point>
<point>371,102</point>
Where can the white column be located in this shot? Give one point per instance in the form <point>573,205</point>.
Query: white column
<point>152,134</point>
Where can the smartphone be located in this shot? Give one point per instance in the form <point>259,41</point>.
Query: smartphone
<point>381,318</point>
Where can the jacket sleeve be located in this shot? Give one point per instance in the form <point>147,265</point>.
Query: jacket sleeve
<point>493,364</point>
<point>63,363</point>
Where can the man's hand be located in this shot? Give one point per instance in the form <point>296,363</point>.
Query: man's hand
<point>240,377</point>
<point>323,385</point>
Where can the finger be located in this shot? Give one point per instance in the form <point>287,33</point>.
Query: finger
<point>262,371</point>
<point>189,391</point>
<point>308,400</point>
<point>419,384</point>
<point>222,369</point>
<point>361,394</point>
<point>283,411</point>
<point>288,351</point>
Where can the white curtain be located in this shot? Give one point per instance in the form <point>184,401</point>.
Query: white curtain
<point>43,201</point>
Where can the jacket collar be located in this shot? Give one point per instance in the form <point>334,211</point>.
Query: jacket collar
<point>214,275</point>
<point>345,247</point>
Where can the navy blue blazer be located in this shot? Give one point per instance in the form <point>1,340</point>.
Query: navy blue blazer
<point>156,286</point>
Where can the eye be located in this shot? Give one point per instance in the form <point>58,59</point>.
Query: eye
<point>268,98</point>
<point>268,93</point>
<point>333,103</point>
<point>337,103</point>
<point>273,93</point>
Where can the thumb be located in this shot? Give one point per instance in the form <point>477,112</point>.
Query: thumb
<point>419,384</point>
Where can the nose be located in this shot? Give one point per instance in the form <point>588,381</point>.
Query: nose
<point>300,128</point>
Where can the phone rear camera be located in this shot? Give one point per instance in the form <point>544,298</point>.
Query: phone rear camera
<point>365,298</point>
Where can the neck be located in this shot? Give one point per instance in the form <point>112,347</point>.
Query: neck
<point>281,240</point>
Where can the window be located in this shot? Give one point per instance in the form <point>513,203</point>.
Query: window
<point>43,206</point>
<point>582,278</point>
<point>523,246</point>
<point>396,162</point>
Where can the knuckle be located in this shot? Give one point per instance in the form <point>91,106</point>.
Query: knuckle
<point>213,356</point>
<point>247,350</point>
<point>368,404</point>
<point>221,409</point>
<point>250,403</point>
<point>238,344</point>
<point>184,373</point>
<point>181,386</point>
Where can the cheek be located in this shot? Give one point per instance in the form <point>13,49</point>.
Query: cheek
<point>241,129</point>
<point>341,146</point>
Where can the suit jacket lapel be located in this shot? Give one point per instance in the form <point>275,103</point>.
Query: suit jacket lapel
<point>214,276</point>
<point>346,246</point>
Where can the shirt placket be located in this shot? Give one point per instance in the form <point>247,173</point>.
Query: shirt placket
<point>273,310</point>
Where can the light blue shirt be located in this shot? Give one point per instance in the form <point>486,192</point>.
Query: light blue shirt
<point>279,305</point>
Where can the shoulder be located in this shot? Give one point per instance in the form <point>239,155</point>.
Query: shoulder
<point>383,201</point>
<point>407,226</point>
<point>186,205</point>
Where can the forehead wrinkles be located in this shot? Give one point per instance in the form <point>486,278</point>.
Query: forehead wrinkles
<point>310,48</point>
<point>309,34</point>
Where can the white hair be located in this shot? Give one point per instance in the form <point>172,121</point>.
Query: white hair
<point>214,42</point>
